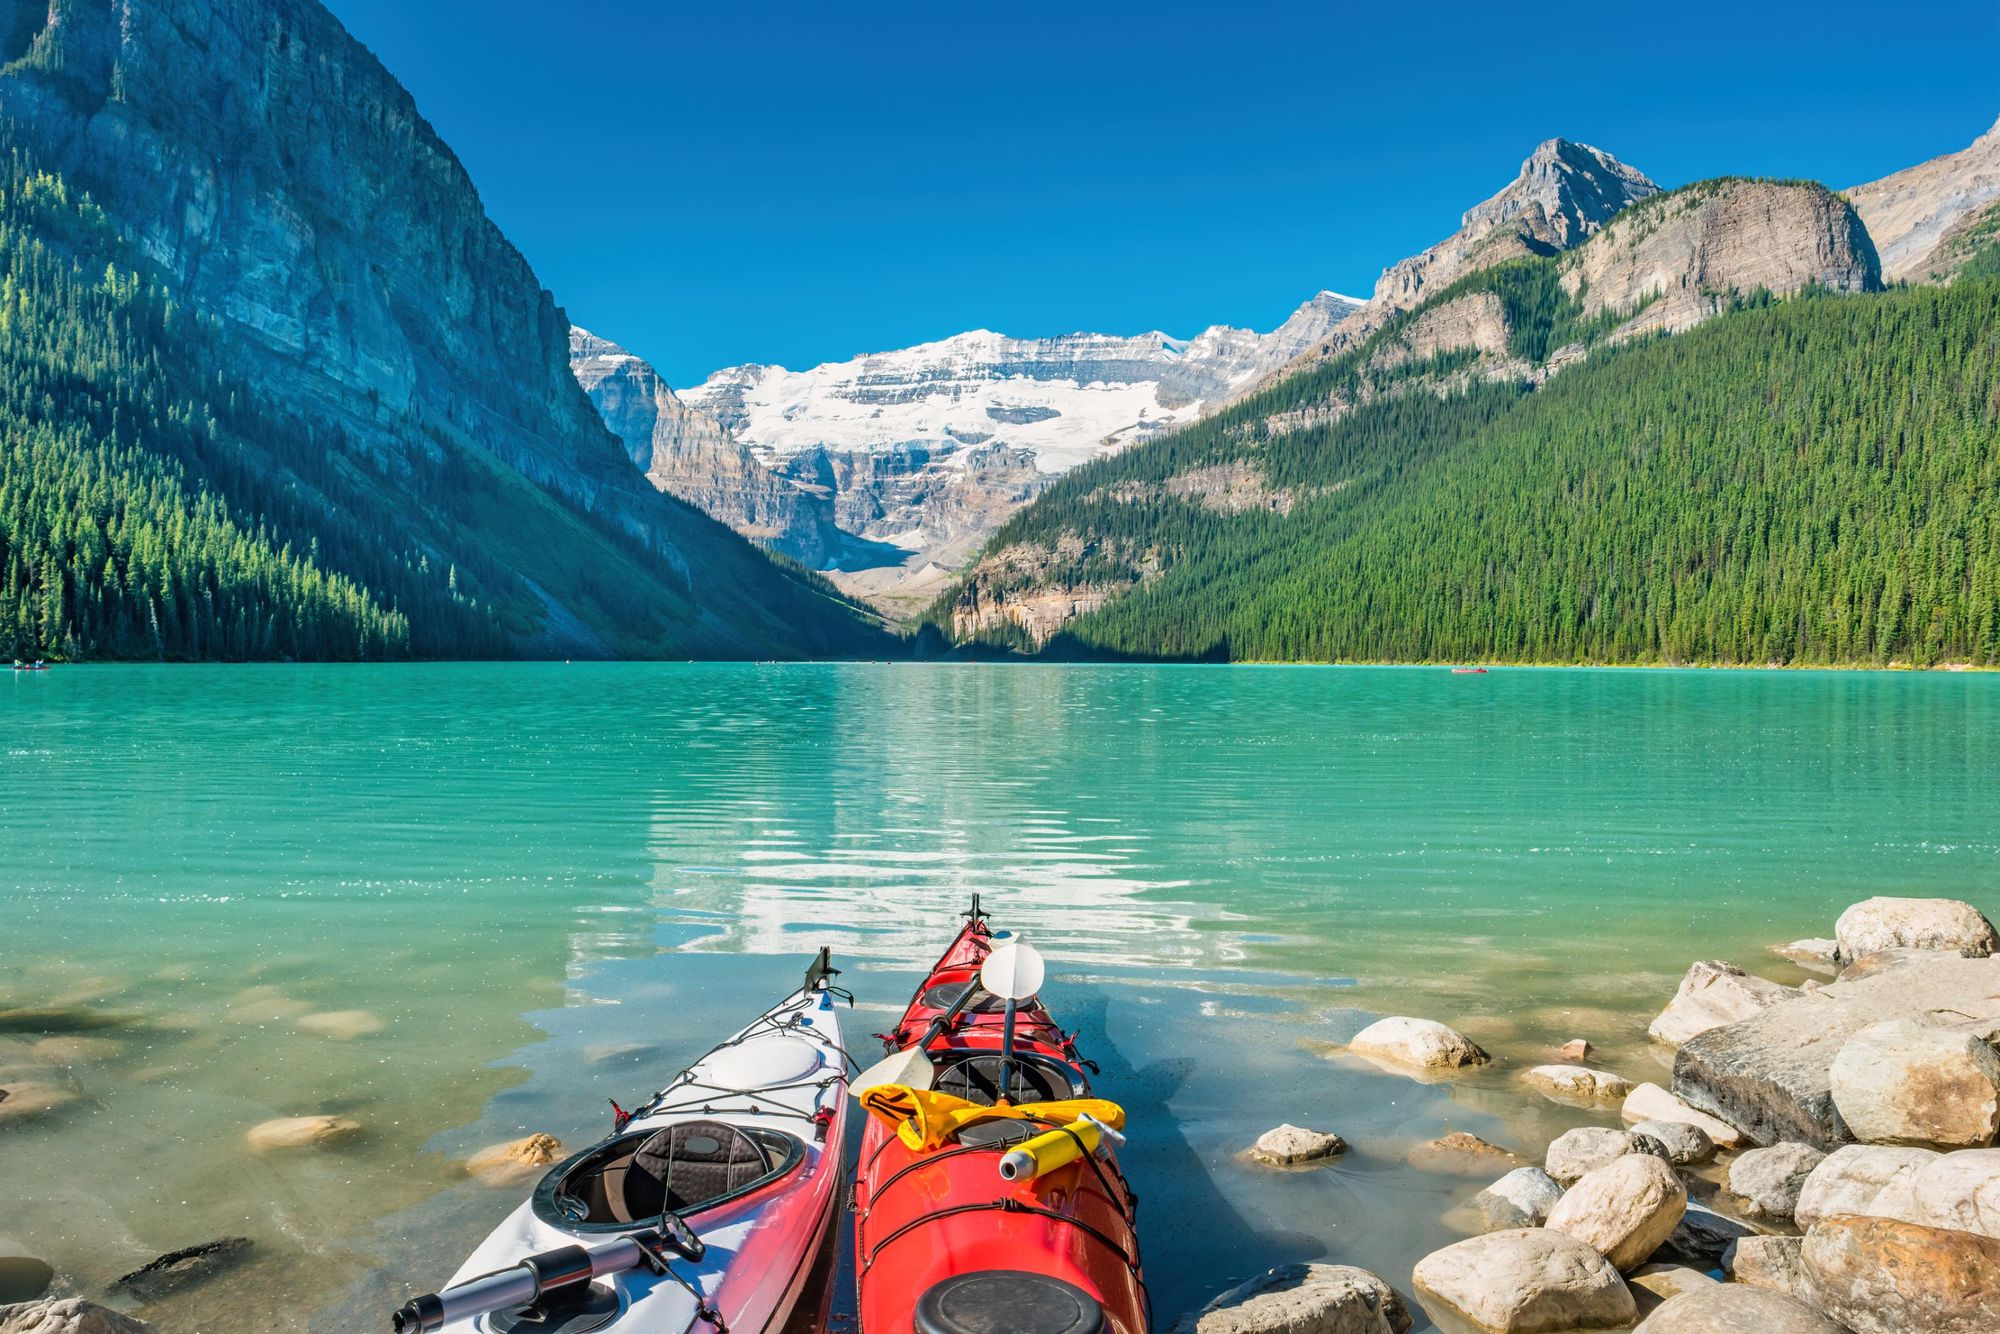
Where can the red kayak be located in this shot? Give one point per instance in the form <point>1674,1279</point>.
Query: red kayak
<point>943,1242</point>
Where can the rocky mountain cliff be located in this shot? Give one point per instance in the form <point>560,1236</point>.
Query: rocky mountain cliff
<point>1563,193</point>
<point>1913,213</point>
<point>686,453</point>
<point>893,468</point>
<point>285,185</point>
<point>1676,259</point>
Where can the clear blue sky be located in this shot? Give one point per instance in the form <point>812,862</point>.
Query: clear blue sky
<point>713,184</point>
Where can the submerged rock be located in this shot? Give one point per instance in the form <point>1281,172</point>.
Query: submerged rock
<point>58,1019</point>
<point>1576,1049</point>
<point>1459,1154</point>
<point>1769,1180</point>
<point>1303,1299</point>
<point>1850,1179</point>
<point>1586,1148</point>
<point>71,1315</point>
<point>1624,1210</point>
<point>1729,1309</point>
<point>1771,1074</point>
<point>1885,923</point>
<point>1903,1082</point>
<point>1421,1044</point>
<point>1884,1276</point>
<point>1577,1083</point>
<point>516,1160</point>
<point>1685,1143</point>
<point>301,1132</point>
<point>183,1268</point>
<point>1650,1102</point>
<point>20,1102</point>
<point>345,1025</point>
<point>1713,994</point>
<point>1289,1144</point>
<point>1522,1198</point>
<point>1524,1282</point>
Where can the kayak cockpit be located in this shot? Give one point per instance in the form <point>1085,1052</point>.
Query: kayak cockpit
<point>975,1075</point>
<point>684,1167</point>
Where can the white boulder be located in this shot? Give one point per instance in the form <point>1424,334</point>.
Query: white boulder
<point>1771,1263</point>
<point>1650,1102</point>
<point>1524,1282</point>
<point>1904,1082</point>
<point>1768,1181</point>
<point>1624,1210</point>
<point>1852,1177</point>
<point>1713,994</point>
<point>1289,1144</point>
<point>1422,1044</point>
<point>1522,1198</point>
<point>1914,924</point>
<point>1959,1190</point>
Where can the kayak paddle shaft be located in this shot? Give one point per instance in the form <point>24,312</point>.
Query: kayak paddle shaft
<point>520,1284</point>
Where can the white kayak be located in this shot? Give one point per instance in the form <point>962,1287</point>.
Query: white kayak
<point>703,1214</point>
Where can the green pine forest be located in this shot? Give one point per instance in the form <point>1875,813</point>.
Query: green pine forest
<point>1807,481</point>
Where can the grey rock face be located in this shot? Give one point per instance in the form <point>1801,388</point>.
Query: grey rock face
<point>1771,1074</point>
<point>1685,255</point>
<point>1910,212</point>
<point>687,454</point>
<point>1565,191</point>
<point>1303,1299</point>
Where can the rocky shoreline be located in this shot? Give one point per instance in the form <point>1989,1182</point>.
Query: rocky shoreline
<point>1815,1157</point>
<point>1823,1162</point>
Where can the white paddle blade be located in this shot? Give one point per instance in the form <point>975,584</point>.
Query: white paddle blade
<point>909,1067</point>
<point>1012,972</point>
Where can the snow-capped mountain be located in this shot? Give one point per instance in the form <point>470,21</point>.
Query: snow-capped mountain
<point>921,453</point>
<point>1062,400</point>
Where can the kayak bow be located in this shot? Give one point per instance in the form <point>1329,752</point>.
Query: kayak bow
<point>972,1217</point>
<point>703,1210</point>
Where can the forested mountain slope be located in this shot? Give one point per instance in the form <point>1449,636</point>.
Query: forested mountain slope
<point>1813,480</point>
<point>276,386</point>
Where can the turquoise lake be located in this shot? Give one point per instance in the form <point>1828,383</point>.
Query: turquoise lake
<point>459,903</point>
